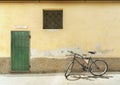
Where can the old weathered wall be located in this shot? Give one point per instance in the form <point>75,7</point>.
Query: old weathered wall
<point>88,26</point>
<point>85,25</point>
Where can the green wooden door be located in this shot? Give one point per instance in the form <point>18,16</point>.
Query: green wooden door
<point>20,42</point>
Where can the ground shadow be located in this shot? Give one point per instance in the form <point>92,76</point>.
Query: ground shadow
<point>74,77</point>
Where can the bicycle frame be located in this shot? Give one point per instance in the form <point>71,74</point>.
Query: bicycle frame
<point>85,66</point>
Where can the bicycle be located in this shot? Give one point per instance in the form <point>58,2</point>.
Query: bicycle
<point>95,67</point>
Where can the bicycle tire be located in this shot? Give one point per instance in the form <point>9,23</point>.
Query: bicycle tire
<point>69,68</point>
<point>98,68</point>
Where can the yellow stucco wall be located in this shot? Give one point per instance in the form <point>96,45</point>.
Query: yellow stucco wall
<point>85,25</point>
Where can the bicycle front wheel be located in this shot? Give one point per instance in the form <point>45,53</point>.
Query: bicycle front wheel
<point>69,69</point>
<point>98,68</point>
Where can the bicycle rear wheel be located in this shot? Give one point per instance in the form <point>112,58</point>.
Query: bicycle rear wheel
<point>98,68</point>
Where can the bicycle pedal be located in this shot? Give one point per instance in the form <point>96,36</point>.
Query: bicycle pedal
<point>84,69</point>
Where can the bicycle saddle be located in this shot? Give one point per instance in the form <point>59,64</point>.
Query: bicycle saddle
<point>92,52</point>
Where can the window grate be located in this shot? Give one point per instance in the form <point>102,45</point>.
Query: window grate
<point>52,19</point>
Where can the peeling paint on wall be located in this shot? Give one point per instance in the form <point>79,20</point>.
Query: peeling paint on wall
<point>61,53</point>
<point>101,51</point>
<point>54,53</point>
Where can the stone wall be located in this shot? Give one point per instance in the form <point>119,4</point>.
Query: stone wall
<point>53,65</point>
<point>4,65</point>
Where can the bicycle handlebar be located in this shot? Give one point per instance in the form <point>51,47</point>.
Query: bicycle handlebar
<point>74,53</point>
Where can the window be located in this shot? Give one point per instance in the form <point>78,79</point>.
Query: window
<point>52,19</point>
